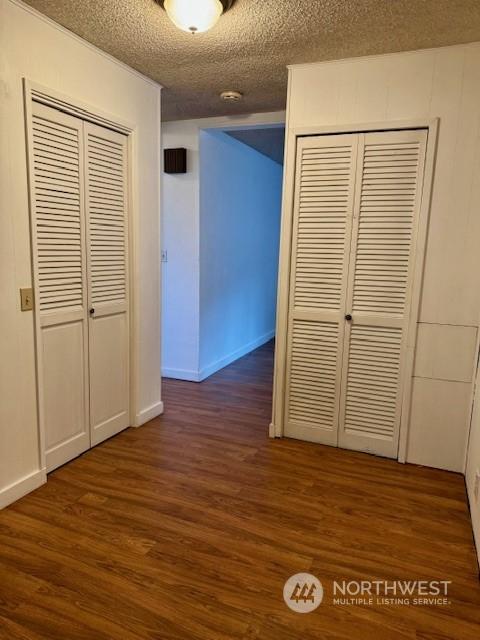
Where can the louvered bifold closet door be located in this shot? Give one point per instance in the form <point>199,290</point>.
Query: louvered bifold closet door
<point>107,259</point>
<point>387,203</point>
<point>56,177</point>
<point>325,176</point>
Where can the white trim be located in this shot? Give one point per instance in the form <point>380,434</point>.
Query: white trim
<point>65,106</point>
<point>235,355</point>
<point>198,376</point>
<point>28,116</point>
<point>271,118</point>
<point>248,126</point>
<point>417,283</point>
<point>365,127</point>
<point>475,377</point>
<point>76,107</point>
<point>432,124</point>
<point>21,487</point>
<point>148,414</point>
<point>133,269</point>
<point>189,375</point>
<point>279,370</point>
<point>472,501</point>
<point>89,45</point>
<point>306,65</point>
<point>476,533</point>
<point>159,231</point>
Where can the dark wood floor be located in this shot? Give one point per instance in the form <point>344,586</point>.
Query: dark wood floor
<point>188,528</point>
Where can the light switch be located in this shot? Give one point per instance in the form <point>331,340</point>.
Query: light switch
<point>26,299</point>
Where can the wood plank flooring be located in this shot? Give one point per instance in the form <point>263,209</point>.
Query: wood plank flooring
<point>188,528</point>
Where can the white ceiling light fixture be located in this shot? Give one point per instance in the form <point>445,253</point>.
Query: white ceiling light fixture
<point>195,16</point>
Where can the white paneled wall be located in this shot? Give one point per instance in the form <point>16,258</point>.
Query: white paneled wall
<point>438,83</point>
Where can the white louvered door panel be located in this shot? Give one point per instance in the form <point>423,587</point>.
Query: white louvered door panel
<point>107,259</point>
<point>56,181</point>
<point>387,203</point>
<point>325,177</point>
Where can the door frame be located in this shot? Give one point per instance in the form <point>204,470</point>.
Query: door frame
<point>276,429</point>
<point>34,92</point>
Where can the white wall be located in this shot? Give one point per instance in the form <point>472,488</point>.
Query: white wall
<point>181,240</point>
<point>443,83</point>
<point>240,203</point>
<point>36,48</point>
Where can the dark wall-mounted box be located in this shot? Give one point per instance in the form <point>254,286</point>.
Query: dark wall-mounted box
<point>175,160</point>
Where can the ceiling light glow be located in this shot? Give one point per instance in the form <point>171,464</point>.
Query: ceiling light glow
<point>194,16</point>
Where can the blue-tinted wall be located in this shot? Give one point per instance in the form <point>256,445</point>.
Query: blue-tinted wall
<point>240,203</point>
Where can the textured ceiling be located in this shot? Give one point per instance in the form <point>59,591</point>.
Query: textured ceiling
<point>252,43</point>
<point>269,141</point>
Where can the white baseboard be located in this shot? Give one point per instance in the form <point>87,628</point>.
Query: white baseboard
<point>235,355</point>
<point>148,414</point>
<point>181,374</point>
<point>198,376</point>
<point>21,487</point>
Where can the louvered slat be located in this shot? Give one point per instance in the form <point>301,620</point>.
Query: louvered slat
<point>372,381</point>
<point>324,199</point>
<point>344,378</point>
<point>56,164</point>
<point>312,374</point>
<point>108,290</point>
<point>106,204</point>
<point>385,227</point>
<point>322,221</point>
<point>386,218</point>
<point>56,170</point>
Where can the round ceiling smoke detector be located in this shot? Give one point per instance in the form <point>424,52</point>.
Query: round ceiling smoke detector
<point>231,96</point>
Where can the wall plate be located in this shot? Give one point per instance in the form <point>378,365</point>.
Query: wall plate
<point>26,299</point>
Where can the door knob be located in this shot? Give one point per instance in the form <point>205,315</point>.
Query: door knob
<point>348,317</point>
<point>92,311</point>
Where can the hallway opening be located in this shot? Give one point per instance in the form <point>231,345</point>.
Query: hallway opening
<point>221,232</point>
